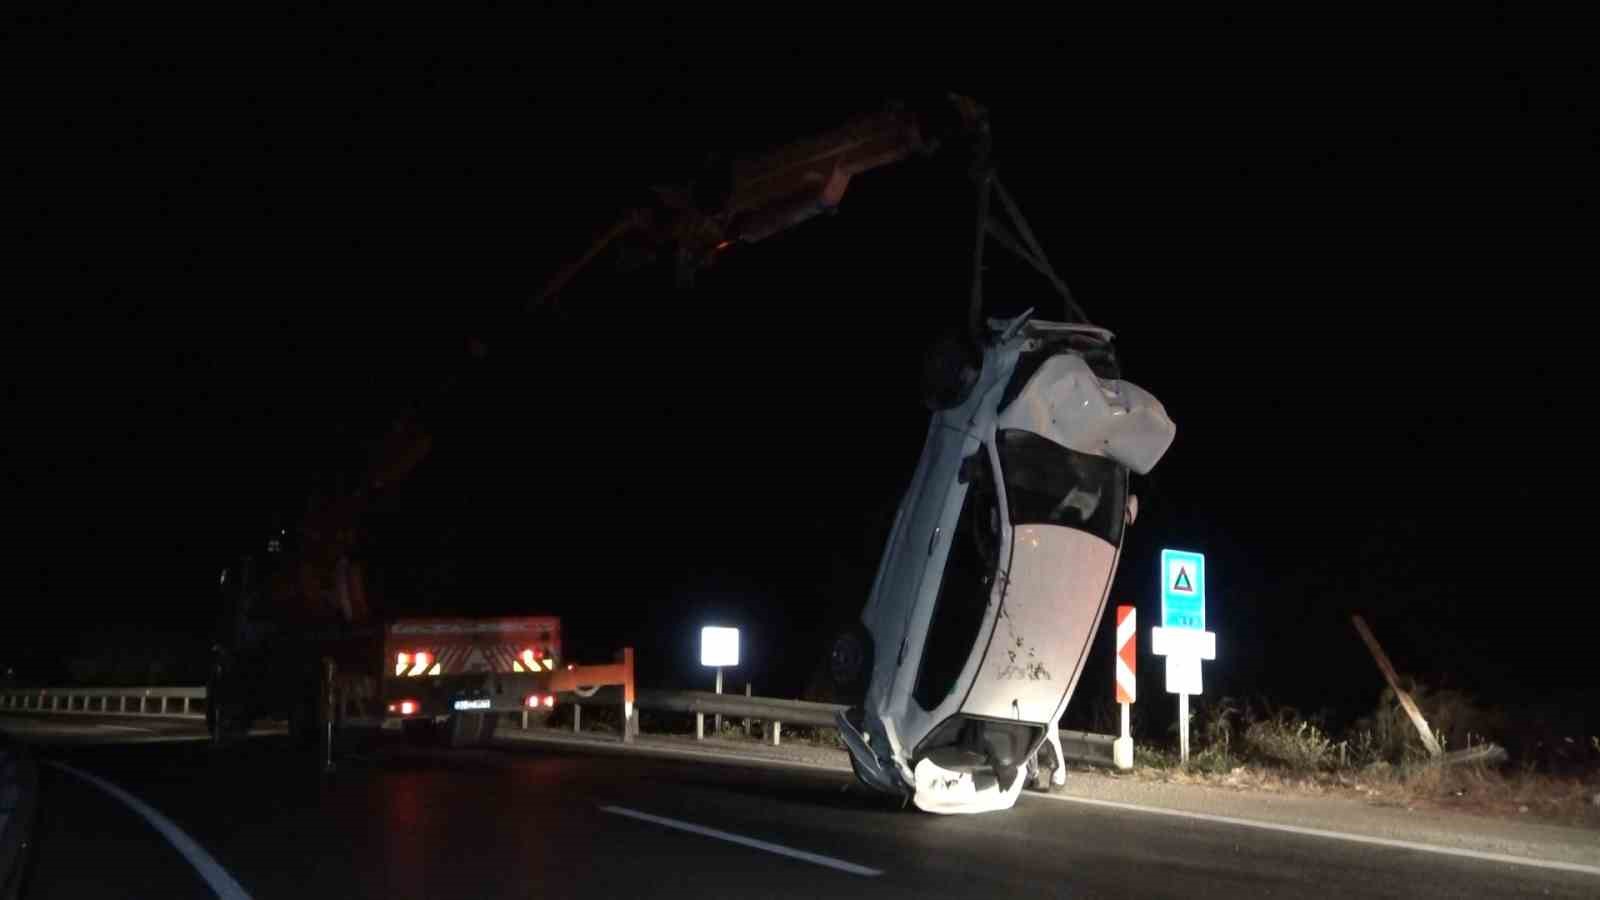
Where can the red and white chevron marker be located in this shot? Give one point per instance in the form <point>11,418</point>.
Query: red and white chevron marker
<point>1127,683</point>
<point>1127,655</point>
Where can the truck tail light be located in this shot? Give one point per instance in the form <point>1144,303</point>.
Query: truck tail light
<point>549,701</point>
<point>404,707</point>
<point>402,662</point>
<point>534,701</point>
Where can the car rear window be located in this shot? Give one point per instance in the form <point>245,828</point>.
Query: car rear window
<point>1048,484</point>
<point>1000,743</point>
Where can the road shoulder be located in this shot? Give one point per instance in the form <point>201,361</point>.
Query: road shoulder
<point>1306,814</point>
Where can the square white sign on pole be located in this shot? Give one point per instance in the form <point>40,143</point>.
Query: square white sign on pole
<point>1183,675</point>
<point>719,646</point>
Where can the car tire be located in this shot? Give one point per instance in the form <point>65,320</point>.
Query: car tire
<point>850,661</point>
<point>950,370</point>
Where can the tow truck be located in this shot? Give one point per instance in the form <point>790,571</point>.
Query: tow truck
<point>972,384</point>
<point>464,675</point>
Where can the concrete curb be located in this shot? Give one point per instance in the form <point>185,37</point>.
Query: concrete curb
<point>19,802</point>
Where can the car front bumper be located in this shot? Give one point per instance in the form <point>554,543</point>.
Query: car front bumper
<point>869,770</point>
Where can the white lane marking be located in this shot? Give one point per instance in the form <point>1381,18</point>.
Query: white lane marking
<point>779,849</point>
<point>221,883</point>
<point>1338,835</point>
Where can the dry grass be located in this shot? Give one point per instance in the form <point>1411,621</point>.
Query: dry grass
<point>1380,759</point>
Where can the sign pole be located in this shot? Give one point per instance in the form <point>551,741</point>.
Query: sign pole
<point>1183,727</point>
<point>718,731</point>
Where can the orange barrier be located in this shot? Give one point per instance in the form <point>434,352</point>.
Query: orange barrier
<point>620,673</point>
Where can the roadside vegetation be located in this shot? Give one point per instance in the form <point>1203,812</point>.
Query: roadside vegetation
<point>1381,758</point>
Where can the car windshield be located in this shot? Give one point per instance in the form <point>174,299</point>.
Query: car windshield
<point>1048,484</point>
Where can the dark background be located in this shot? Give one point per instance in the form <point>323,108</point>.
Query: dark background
<point>1351,256</point>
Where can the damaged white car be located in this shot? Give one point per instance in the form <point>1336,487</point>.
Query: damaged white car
<point>997,568</point>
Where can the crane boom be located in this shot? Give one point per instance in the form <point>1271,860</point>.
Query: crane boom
<point>742,201</point>
<point>751,198</point>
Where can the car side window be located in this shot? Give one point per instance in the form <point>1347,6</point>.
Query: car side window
<point>964,589</point>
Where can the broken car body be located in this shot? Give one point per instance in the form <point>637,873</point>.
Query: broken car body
<point>998,567</point>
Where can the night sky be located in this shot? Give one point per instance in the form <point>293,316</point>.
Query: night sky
<point>1353,278</point>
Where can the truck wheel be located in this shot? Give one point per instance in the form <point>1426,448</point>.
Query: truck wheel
<point>418,732</point>
<point>303,726</point>
<point>850,661</point>
<point>227,724</point>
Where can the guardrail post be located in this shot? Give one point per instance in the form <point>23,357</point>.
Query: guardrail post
<point>699,726</point>
<point>124,706</point>
<point>775,729</point>
<point>524,720</point>
<point>577,717</point>
<point>163,704</point>
<point>630,708</point>
<point>186,705</point>
<point>141,704</point>
<point>747,718</point>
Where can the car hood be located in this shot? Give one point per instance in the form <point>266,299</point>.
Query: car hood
<point>1050,609</point>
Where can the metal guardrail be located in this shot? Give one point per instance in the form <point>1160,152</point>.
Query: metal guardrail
<point>1081,746</point>
<point>772,712</point>
<point>178,702</point>
<point>766,709</point>
<point>1089,747</point>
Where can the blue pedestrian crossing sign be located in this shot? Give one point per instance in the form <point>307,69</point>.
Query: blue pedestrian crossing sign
<point>1183,590</point>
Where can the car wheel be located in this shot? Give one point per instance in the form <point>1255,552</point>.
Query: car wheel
<point>950,370</point>
<point>850,660</point>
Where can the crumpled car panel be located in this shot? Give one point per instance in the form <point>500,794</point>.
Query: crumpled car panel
<point>1066,403</point>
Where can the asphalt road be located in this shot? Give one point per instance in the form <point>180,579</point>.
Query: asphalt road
<point>400,821</point>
